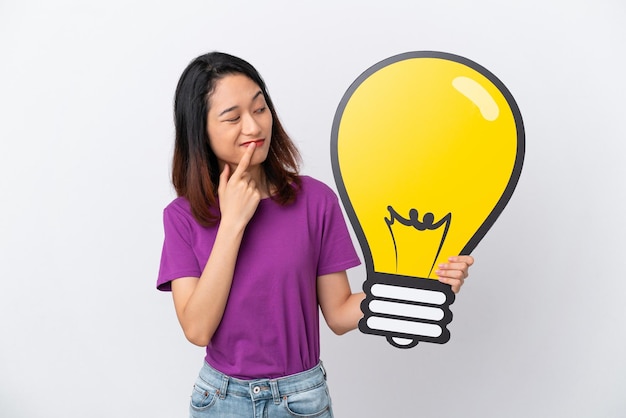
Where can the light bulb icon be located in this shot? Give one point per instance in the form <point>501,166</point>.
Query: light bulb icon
<point>427,148</point>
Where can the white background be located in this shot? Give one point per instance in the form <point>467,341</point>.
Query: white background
<point>86,137</point>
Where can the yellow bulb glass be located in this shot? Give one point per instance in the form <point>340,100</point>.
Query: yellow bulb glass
<point>427,149</point>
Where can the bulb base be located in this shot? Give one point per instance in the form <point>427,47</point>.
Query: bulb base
<point>406,309</point>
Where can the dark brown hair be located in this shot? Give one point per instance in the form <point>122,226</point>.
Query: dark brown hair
<point>195,171</point>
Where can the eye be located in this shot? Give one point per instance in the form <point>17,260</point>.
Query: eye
<point>261,109</point>
<point>235,119</point>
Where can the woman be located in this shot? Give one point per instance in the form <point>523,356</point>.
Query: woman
<point>251,248</point>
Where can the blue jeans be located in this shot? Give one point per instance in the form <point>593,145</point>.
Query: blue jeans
<point>300,395</point>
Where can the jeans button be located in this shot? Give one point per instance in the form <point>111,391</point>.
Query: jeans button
<point>256,390</point>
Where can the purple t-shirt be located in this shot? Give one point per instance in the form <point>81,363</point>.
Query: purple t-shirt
<point>270,327</point>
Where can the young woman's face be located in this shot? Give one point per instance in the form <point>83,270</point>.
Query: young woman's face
<point>238,115</point>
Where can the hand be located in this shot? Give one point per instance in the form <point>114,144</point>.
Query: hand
<point>455,271</point>
<point>238,193</point>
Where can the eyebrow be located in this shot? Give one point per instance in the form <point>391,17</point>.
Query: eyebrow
<point>230,109</point>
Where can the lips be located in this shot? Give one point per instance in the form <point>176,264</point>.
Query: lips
<point>258,142</point>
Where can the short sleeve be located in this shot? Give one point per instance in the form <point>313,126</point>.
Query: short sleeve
<point>337,251</point>
<point>177,257</point>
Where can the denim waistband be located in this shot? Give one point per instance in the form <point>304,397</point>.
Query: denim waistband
<point>259,389</point>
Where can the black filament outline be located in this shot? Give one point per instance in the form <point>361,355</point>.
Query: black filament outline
<point>426,224</point>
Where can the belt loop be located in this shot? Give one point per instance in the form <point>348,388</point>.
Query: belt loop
<point>323,369</point>
<point>275,393</point>
<point>224,387</point>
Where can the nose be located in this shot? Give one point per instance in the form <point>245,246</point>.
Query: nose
<point>251,126</point>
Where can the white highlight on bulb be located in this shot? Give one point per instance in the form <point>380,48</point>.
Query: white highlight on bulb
<point>404,327</point>
<point>408,294</point>
<point>479,96</point>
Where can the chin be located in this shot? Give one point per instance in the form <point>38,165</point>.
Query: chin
<point>259,158</point>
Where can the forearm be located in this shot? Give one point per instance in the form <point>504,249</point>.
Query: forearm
<point>349,314</point>
<point>203,311</point>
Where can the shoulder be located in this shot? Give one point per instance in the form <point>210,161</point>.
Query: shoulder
<point>179,210</point>
<point>312,186</point>
<point>317,195</point>
<point>180,205</point>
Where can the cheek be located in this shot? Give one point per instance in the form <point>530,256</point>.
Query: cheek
<point>217,139</point>
<point>269,123</point>
<point>214,145</point>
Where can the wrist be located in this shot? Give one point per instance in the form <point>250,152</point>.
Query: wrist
<point>231,227</point>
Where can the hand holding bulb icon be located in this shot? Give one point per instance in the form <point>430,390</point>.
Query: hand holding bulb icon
<point>427,148</point>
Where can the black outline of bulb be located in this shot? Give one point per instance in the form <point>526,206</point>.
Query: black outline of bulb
<point>410,285</point>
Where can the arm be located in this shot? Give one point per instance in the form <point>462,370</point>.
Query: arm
<point>200,302</point>
<point>340,307</point>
